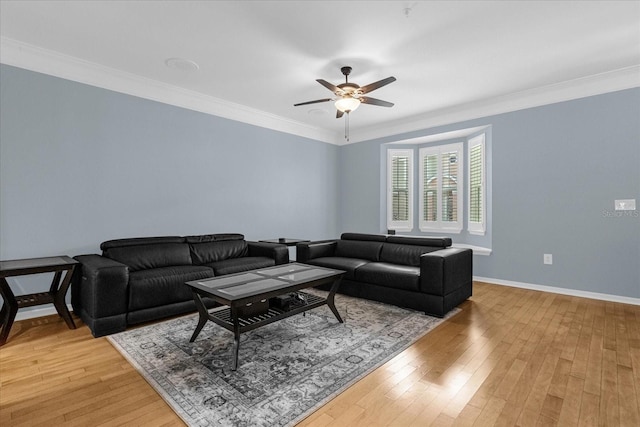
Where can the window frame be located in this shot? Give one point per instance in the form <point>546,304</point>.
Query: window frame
<point>473,227</point>
<point>400,225</point>
<point>439,225</point>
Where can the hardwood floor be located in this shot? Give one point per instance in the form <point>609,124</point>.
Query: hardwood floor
<point>511,357</point>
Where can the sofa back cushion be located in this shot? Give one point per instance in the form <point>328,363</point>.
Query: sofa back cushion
<point>137,241</point>
<point>368,250</point>
<point>436,242</point>
<point>212,251</point>
<point>207,238</point>
<point>404,254</point>
<point>146,253</point>
<point>364,237</point>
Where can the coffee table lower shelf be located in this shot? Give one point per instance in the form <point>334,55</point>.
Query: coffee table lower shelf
<point>225,319</point>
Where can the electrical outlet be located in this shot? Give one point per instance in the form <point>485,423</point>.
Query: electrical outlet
<point>547,259</point>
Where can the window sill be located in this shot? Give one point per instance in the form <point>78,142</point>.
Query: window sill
<point>400,229</point>
<point>477,250</point>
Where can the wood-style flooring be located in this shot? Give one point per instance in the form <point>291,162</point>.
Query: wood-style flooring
<point>512,357</point>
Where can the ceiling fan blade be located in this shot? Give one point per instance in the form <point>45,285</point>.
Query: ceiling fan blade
<point>333,88</point>
<point>339,114</point>
<point>313,102</point>
<point>374,101</point>
<point>377,85</point>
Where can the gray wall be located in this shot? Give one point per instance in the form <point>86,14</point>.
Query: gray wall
<point>556,171</point>
<point>80,165</point>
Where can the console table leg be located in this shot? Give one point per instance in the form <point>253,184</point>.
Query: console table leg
<point>330,300</point>
<point>9,310</point>
<point>59,296</point>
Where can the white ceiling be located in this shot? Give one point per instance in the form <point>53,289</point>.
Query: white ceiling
<point>452,59</point>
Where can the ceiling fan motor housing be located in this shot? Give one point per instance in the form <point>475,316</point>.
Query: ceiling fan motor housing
<point>349,88</point>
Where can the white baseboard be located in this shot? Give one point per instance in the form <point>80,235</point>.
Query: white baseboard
<point>38,312</point>
<point>562,291</point>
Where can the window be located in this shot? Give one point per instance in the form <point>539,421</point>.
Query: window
<point>477,186</point>
<point>441,188</point>
<point>400,190</point>
<point>452,190</point>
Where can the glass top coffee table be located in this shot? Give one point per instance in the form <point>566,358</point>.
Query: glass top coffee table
<point>258,297</point>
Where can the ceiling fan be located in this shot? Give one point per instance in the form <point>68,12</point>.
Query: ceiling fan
<point>350,95</point>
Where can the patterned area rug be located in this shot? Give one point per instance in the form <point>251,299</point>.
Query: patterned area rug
<point>286,370</point>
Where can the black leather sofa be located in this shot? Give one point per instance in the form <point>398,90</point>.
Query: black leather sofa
<point>423,274</point>
<point>141,279</point>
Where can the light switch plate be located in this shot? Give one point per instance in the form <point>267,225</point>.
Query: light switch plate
<point>625,205</point>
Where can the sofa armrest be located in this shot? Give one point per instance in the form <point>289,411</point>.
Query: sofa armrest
<point>280,253</point>
<point>309,250</point>
<point>446,270</point>
<point>101,289</point>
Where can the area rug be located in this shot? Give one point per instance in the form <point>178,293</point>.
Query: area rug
<point>286,369</point>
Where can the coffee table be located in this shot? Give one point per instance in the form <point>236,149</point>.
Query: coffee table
<point>250,297</point>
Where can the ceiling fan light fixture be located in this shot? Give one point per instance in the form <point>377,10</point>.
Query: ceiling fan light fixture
<point>347,104</point>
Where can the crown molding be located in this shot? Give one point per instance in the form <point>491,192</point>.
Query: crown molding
<point>612,81</point>
<point>34,58</point>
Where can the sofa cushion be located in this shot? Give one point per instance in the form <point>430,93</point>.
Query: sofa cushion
<point>390,275</point>
<point>160,286</point>
<point>213,251</point>
<point>146,256</point>
<point>347,264</point>
<point>359,249</point>
<point>404,254</point>
<point>236,265</point>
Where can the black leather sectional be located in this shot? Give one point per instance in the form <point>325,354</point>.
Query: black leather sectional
<point>142,279</point>
<point>424,274</point>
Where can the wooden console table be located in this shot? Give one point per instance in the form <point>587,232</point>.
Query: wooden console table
<point>56,294</point>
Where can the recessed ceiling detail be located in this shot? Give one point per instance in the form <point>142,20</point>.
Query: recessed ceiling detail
<point>182,64</point>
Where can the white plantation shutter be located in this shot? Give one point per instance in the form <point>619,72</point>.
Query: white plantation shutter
<point>450,183</point>
<point>441,188</point>
<point>430,188</point>
<point>399,190</point>
<point>477,186</point>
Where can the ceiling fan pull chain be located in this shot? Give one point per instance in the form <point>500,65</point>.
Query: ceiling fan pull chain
<point>346,127</point>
